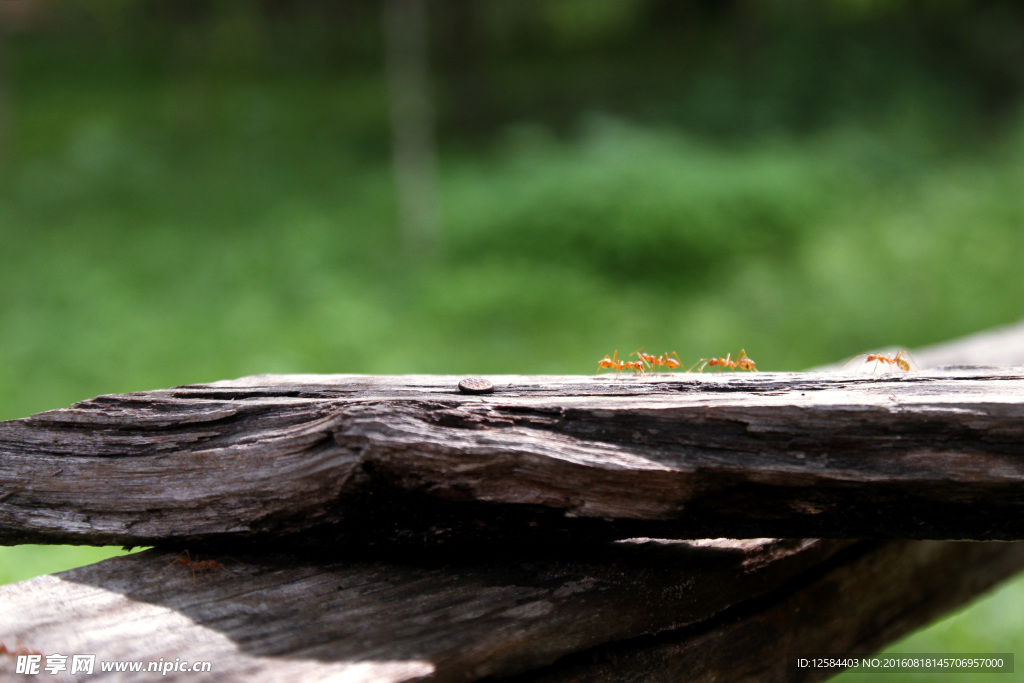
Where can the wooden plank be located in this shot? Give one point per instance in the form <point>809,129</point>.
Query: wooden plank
<point>355,460</point>
<point>640,610</point>
<point>862,599</point>
<point>273,617</point>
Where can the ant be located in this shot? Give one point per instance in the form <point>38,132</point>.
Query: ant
<point>206,565</point>
<point>664,360</point>
<point>902,359</point>
<point>613,363</point>
<point>743,362</point>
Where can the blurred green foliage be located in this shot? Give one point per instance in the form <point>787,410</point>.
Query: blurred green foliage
<point>194,191</point>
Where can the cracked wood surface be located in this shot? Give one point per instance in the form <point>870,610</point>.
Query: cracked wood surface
<point>273,617</point>
<point>348,460</point>
<point>874,594</point>
<point>642,610</point>
<point>651,610</point>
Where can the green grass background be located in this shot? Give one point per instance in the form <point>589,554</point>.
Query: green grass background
<point>171,214</point>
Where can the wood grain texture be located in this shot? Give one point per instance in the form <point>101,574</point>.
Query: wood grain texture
<point>275,617</point>
<point>639,610</point>
<point>349,460</point>
<point>871,595</point>
<point>391,529</point>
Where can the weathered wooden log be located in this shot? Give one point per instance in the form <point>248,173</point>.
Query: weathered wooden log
<point>857,602</point>
<point>343,460</point>
<point>636,610</point>
<point>291,618</point>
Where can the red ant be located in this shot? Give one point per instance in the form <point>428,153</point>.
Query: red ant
<point>902,359</point>
<point>743,362</point>
<point>613,363</point>
<point>205,565</point>
<point>664,360</point>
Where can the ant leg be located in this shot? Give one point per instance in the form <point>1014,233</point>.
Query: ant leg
<point>859,355</point>
<point>192,565</point>
<point>642,357</point>
<point>178,559</point>
<point>186,559</point>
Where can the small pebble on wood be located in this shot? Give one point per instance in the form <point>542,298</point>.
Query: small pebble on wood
<point>476,385</point>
